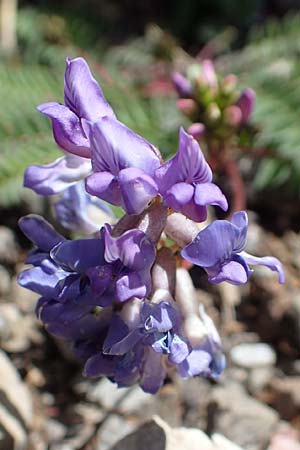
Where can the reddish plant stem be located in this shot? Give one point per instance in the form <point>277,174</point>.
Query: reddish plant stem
<point>238,190</point>
<point>222,161</point>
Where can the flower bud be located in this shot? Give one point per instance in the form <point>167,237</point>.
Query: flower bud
<point>187,106</point>
<point>209,74</point>
<point>181,229</point>
<point>233,115</point>
<point>194,71</point>
<point>213,113</point>
<point>182,85</point>
<point>246,102</point>
<point>229,84</point>
<point>197,130</point>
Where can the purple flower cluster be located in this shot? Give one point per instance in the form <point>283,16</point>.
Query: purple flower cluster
<point>116,295</point>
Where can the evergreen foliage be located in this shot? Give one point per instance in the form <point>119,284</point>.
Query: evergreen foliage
<point>270,64</point>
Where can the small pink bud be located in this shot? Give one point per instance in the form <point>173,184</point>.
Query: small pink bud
<point>233,115</point>
<point>187,106</point>
<point>209,73</point>
<point>197,130</point>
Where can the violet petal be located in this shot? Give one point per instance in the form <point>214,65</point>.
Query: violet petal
<point>105,186</point>
<point>213,245</point>
<point>196,363</point>
<point>79,255</point>
<point>210,194</point>
<point>268,261</point>
<point>137,188</point>
<point>131,285</point>
<point>99,365</point>
<point>83,95</point>
<point>40,232</point>
<point>53,178</point>
<point>153,372</point>
<point>234,272</point>
<point>67,129</point>
<point>116,147</point>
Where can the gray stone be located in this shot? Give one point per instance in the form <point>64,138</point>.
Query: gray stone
<point>194,396</point>
<point>112,430</point>
<point>15,391</point>
<point>240,418</point>
<point>258,379</point>
<point>15,407</point>
<point>54,430</point>
<point>134,401</point>
<point>107,394</point>
<point>91,414</point>
<point>253,355</point>
<point>221,443</point>
<point>5,282</point>
<point>255,237</point>
<point>285,394</point>
<point>17,330</point>
<point>158,435</point>
<point>9,253</point>
<point>25,299</point>
<point>285,438</point>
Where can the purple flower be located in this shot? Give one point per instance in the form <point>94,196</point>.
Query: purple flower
<point>76,210</point>
<point>155,325</point>
<point>84,101</point>
<point>137,339</point>
<point>246,103</point>
<point>126,269</point>
<point>206,358</point>
<point>124,165</point>
<point>87,272</point>
<point>57,308</point>
<point>58,176</point>
<point>185,181</point>
<point>59,276</point>
<point>219,250</point>
<point>124,370</point>
<point>74,322</point>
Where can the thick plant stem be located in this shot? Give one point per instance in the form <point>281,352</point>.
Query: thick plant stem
<point>151,222</point>
<point>238,190</point>
<point>222,161</point>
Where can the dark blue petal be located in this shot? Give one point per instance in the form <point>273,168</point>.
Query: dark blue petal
<point>40,232</point>
<point>79,255</point>
<point>212,246</point>
<point>235,271</point>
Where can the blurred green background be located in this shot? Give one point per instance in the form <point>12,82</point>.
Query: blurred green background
<point>132,48</point>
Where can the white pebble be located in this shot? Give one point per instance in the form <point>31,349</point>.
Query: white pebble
<point>253,355</point>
